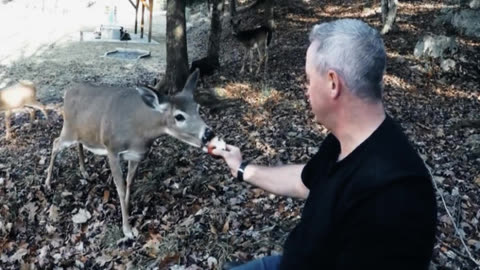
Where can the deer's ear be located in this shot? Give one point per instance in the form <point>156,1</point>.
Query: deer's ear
<point>191,83</point>
<point>152,99</point>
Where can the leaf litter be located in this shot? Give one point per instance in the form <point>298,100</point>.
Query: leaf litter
<point>188,210</point>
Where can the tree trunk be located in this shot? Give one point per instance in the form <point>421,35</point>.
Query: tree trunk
<point>389,14</point>
<point>177,58</point>
<point>233,8</point>
<point>213,53</point>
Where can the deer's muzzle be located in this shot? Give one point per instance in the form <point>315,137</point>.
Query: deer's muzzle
<point>208,135</point>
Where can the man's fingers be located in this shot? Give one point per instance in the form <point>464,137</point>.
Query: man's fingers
<point>231,148</point>
<point>218,152</point>
<point>223,152</point>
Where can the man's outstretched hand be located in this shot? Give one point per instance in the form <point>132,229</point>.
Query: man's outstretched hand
<point>232,156</point>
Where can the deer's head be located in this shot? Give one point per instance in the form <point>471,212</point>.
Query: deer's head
<point>181,113</point>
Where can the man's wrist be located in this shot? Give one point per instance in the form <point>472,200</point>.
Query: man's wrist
<point>241,170</point>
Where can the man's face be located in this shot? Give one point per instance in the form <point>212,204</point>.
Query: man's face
<point>317,87</point>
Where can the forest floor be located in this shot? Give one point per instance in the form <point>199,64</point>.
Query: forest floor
<point>188,210</point>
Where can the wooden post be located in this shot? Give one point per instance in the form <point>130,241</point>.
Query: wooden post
<point>136,15</point>
<point>150,22</point>
<point>142,22</point>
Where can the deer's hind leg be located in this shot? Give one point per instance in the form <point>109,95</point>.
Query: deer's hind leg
<point>81,160</point>
<point>260,60</point>
<point>251,60</point>
<point>132,170</point>
<point>263,58</point>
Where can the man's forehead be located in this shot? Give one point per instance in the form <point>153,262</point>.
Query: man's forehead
<point>310,55</point>
<point>313,47</point>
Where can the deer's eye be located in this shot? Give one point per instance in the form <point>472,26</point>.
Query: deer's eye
<point>179,117</point>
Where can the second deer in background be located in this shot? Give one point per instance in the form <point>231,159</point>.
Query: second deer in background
<point>20,95</point>
<point>256,38</point>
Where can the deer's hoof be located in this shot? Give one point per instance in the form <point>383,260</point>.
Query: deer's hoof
<point>85,175</point>
<point>129,233</point>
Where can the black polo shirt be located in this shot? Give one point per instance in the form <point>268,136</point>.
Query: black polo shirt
<point>375,209</point>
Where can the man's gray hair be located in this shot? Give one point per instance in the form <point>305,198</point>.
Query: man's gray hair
<point>355,51</point>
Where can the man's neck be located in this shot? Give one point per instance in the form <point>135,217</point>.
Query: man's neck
<point>356,126</point>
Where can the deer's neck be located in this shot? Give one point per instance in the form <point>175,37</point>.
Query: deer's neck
<point>154,125</point>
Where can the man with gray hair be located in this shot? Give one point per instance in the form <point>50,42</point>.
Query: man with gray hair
<point>370,202</point>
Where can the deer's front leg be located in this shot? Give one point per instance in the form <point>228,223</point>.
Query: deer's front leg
<point>260,60</point>
<point>384,10</point>
<point>8,134</point>
<point>244,60</point>
<point>132,170</point>
<point>39,106</point>
<point>251,60</point>
<point>58,145</point>
<point>114,162</point>
<point>260,57</point>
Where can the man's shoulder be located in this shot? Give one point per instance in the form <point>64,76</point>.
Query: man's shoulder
<point>391,153</point>
<point>389,158</point>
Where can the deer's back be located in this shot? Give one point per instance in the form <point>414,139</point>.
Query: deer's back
<point>97,115</point>
<point>252,36</point>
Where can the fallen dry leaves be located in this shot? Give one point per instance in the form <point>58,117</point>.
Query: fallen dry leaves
<point>189,212</point>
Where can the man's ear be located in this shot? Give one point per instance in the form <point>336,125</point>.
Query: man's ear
<point>334,84</point>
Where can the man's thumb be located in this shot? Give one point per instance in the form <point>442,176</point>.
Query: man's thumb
<point>216,152</point>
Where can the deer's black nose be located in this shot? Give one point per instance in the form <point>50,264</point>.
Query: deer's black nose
<point>208,135</point>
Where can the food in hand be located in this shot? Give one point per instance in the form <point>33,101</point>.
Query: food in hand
<point>216,143</point>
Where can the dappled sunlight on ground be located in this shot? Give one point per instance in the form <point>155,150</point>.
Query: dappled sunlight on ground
<point>399,83</point>
<point>253,96</point>
<point>414,8</point>
<point>454,92</point>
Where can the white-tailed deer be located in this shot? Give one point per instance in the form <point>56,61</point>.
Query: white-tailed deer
<point>20,95</point>
<point>251,39</point>
<point>123,123</point>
